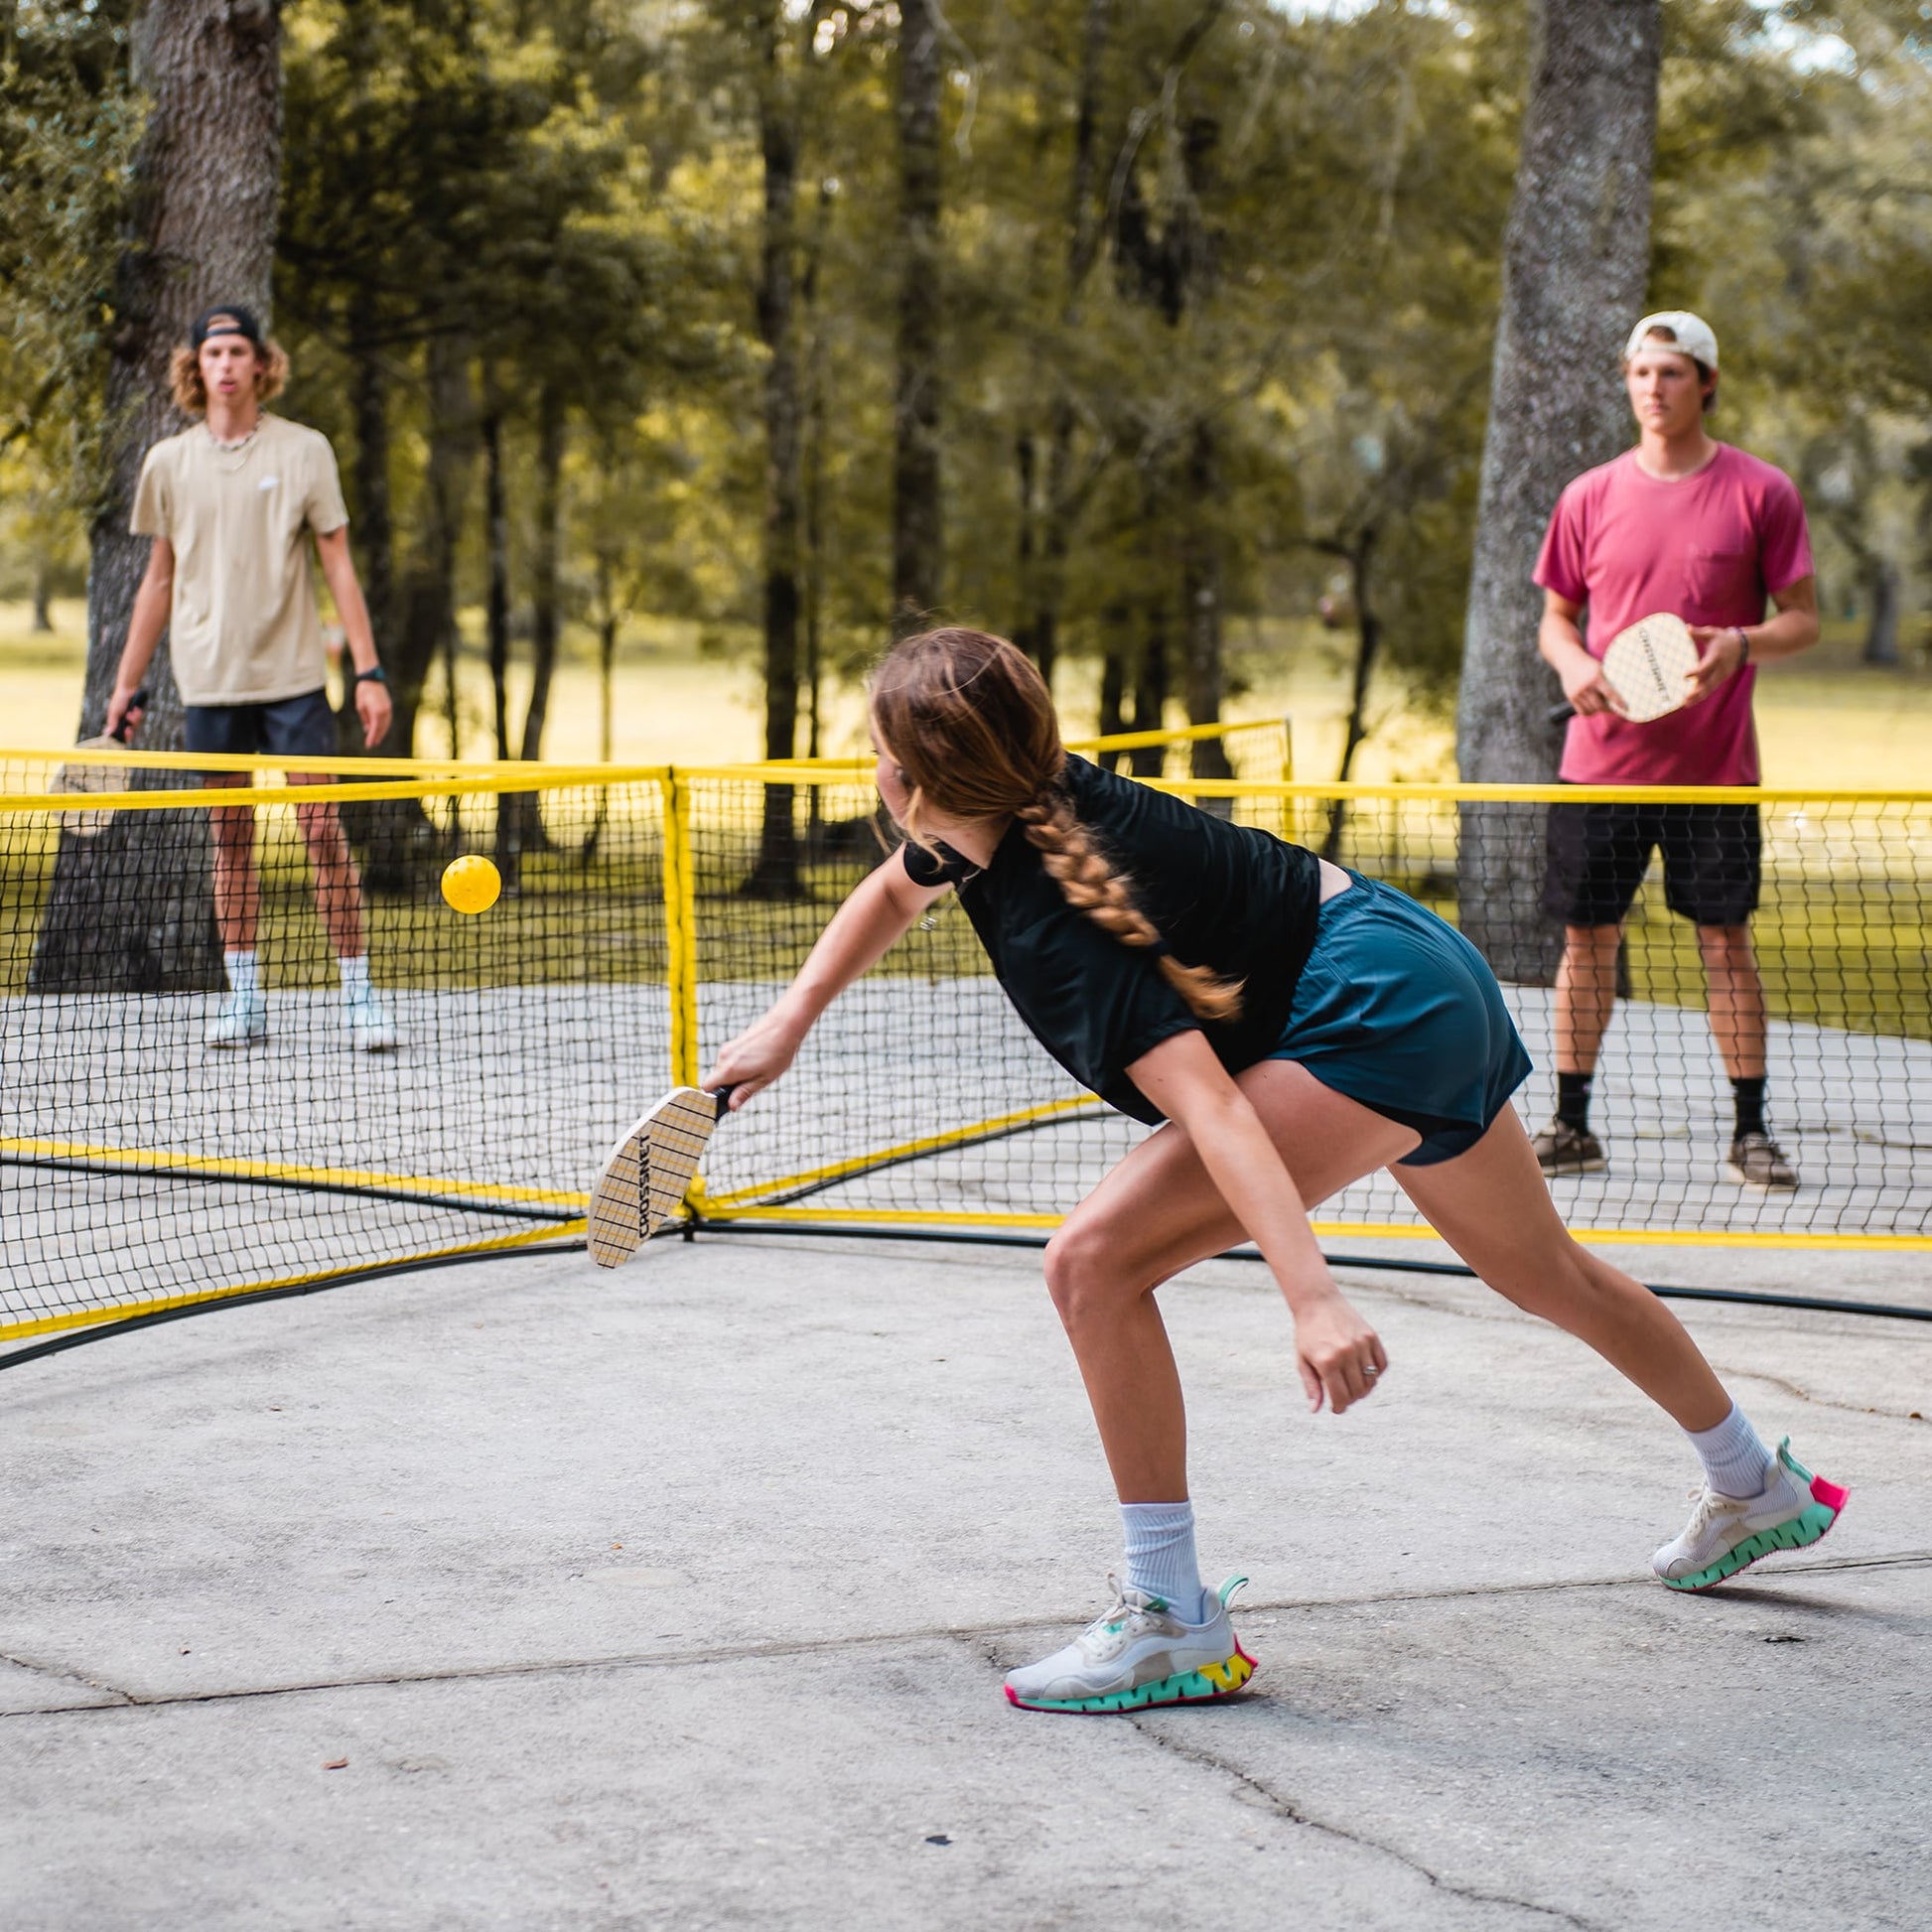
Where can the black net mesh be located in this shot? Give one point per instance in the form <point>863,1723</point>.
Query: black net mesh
<point>646,918</point>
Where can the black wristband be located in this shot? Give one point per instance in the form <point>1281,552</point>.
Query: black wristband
<point>376,674</point>
<point>1743,637</point>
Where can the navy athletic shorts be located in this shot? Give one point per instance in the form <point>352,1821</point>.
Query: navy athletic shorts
<point>1600,853</point>
<point>1397,1009</point>
<point>284,728</point>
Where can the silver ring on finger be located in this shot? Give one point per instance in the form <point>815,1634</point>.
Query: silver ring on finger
<point>1371,1371</point>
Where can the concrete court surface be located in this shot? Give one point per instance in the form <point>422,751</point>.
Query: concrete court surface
<point>523,1596</point>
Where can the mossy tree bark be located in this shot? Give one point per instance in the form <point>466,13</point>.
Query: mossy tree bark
<point>1577,257</point>
<point>918,527</point>
<point>132,909</point>
<point>774,872</point>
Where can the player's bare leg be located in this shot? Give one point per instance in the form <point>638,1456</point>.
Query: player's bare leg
<point>1737,1022</point>
<point>243,1016</point>
<point>338,885</point>
<point>238,884</point>
<point>338,899</point>
<point>1737,998</point>
<point>1156,1213</point>
<point>1492,1206</point>
<point>1585,999</point>
<point>1586,994</point>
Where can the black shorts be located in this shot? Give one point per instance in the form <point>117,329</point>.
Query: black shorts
<point>284,728</point>
<point>1598,855</point>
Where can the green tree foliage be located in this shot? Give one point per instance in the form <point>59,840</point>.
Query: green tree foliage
<point>68,122</point>
<point>1212,285</point>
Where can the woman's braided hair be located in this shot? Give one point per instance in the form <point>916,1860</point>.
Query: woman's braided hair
<point>971,724</point>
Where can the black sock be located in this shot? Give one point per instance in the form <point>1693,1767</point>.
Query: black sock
<point>1751,1105</point>
<point>1572,1100</point>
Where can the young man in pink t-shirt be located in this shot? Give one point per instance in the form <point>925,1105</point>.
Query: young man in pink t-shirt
<point>1689,525</point>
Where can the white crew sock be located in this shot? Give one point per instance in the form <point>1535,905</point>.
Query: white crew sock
<point>1736,1461</point>
<point>1161,1556</point>
<point>244,972</point>
<point>355,976</point>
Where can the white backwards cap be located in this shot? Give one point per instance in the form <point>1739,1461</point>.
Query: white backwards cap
<point>1692,334</point>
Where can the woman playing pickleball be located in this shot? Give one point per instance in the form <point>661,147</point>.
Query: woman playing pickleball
<point>1295,1026</point>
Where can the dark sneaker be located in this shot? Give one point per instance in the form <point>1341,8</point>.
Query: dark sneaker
<point>1562,1149</point>
<point>1757,1161</point>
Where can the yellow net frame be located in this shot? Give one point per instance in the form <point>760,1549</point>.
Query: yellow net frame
<point>690,798</point>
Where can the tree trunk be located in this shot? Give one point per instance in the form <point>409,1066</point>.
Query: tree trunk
<point>426,631</point>
<point>395,837</point>
<point>1027,545</point>
<point>418,625</point>
<point>373,524</point>
<point>1113,680</point>
<point>1044,571</point>
<point>774,873</point>
<point>132,910</point>
<point>1576,257</point>
<point>43,595</point>
<point>1881,628</point>
<point>506,847</point>
<point>1368,643</point>
<point>918,537</point>
<point>1200,592</point>
<point>546,611</point>
<point>497,595</point>
<point>606,618</point>
<point>546,616</point>
<point>813,486</point>
<point>1151,693</point>
<point>607,671</point>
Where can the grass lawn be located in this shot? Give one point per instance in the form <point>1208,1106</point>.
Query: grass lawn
<point>1826,723</point>
<point>1824,720</point>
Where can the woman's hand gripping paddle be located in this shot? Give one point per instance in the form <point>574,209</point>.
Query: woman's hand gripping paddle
<point>643,1182</point>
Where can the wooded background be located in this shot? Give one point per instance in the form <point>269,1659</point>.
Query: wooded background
<point>1103,324</point>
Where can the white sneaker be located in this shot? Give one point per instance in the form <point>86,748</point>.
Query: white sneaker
<point>1138,1655</point>
<point>1727,1534</point>
<point>242,1018</point>
<point>370,1030</point>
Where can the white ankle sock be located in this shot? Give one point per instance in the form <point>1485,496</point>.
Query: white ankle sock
<point>244,971</point>
<point>1736,1461</point>
<point>355,976</point>
<point>1161,1556</point>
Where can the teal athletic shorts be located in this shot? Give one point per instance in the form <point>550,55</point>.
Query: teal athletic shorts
<point>1397,1009</point>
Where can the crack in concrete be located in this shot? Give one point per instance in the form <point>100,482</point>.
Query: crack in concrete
<point>62,1674</point>
<point>871,1641</point>
<point>1797,1394</point>
<point>1286,1808</point>
<point>1289,1812</point>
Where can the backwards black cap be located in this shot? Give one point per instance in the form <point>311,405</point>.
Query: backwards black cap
<point>229,320</point>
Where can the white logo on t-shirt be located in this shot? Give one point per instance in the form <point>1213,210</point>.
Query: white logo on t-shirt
<point>268,482</point>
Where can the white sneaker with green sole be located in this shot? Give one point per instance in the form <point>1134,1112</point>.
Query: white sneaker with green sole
<point>1139,1655</point>
<point>1727,1534</point>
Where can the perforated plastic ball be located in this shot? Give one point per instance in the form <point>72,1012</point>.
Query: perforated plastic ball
<point>471,883</point>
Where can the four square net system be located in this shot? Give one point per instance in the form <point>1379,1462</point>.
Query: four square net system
<point>650,913</point>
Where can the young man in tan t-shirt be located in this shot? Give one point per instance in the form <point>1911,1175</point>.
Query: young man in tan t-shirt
<point>229,504</point>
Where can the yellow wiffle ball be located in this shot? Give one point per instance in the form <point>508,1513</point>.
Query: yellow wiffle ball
<point>471,883</point>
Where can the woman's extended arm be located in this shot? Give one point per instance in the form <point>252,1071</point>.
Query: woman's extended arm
<point>879,913</point>
<point>1336,1349</point>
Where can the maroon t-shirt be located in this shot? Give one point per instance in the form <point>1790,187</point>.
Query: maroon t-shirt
<point>1709,548</point>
